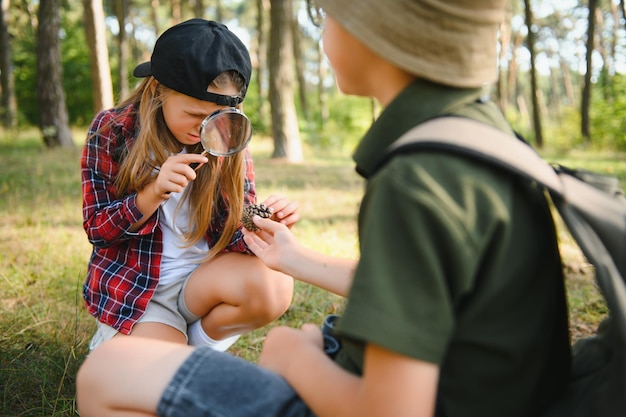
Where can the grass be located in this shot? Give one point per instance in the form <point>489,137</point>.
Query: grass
<point>44,329</point>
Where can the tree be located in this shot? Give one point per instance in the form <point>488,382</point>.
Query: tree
<point>9,105</point>
<point>95,31</point>
<point>53,119</point>
<point>586,97</point>
<point>530,44</point>
<point>121,12</point>
<point>262,7</point>
<point>281,75</point>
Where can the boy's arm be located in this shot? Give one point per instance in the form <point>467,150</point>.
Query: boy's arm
<point>392,384</point>
<point>278,248</point>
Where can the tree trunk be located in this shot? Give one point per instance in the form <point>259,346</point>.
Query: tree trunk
<point>613,48</point>
<point>322,71</point>
<point>534,87</point>
<point>505,44</point>
<point>154,15</point>
<point>219,12</point>
<point>586,97</point>
<point>53,119</point>
<point>511,83</point>
<point>8,107</point>
<point>299,67</point>
<point>121,11</point>
<point>567,82</point>
<point>177,12</point>
<point>95,32</point>
<point>261,52</point>
<point>199,8</point>
<point>284,119</point>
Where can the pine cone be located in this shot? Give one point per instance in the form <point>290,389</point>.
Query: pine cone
<point>248,213</point>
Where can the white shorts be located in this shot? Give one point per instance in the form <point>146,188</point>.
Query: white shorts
<point>167,306</point>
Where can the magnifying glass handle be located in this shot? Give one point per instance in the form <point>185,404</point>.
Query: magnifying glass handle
<point>196,165</point>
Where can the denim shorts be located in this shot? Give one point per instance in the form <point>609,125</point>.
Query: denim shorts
<point>217,384</point>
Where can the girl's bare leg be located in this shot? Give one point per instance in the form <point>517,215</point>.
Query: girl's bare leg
<point>235,293</point>
<point>126,376</point>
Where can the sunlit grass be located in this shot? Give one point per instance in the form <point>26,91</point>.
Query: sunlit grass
<point>44,328</point>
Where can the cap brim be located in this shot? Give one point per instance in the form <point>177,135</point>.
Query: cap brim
<point>143,70</point>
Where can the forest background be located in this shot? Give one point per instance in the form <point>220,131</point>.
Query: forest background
<point>561,85</point>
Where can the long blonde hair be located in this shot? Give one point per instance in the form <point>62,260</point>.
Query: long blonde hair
<point>219,184</point>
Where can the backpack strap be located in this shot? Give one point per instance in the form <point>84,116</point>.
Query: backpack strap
<point>480,141</point>
<point>596,219</point>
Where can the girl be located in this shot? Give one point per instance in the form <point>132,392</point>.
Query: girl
<point>169,261</point>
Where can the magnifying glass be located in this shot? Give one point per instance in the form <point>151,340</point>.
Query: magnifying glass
<point>225,132</point>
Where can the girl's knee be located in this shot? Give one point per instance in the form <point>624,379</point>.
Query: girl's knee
<point>271,296</point>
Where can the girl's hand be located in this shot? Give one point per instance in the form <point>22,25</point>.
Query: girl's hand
<point>175,173</point>
<point>283,210</point>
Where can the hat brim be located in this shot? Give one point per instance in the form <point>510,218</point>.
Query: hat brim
<point>143,70</point>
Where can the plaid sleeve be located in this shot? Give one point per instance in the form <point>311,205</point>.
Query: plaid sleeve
<point>106,217</point>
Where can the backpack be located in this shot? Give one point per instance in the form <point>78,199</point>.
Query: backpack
<point>593,208</point>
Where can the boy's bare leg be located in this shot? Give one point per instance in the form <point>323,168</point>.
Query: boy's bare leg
<point>122,379</point>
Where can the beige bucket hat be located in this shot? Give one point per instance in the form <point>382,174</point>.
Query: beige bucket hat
<point>452,42</point>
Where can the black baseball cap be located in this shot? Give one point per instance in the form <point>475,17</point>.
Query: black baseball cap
<point>188,56</point>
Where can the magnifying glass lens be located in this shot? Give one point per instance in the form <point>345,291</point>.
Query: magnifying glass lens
<point>225,132</point>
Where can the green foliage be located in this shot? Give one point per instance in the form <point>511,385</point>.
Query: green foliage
<point>76,71</point>
<point>608,116</point>
<point>349,118</point>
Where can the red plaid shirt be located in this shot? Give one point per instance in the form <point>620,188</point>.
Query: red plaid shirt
<point>124,266</point>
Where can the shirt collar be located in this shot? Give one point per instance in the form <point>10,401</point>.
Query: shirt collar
<point>418,102</point>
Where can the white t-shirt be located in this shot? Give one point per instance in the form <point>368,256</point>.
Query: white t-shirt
<point>178,261</point>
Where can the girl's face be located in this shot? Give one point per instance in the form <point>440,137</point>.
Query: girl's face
<point>184,114</point>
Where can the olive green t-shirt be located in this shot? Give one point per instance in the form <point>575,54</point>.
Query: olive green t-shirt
<point>459,267</point>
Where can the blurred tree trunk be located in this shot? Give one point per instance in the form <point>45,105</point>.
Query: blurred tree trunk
<point>219,11</point>
<point>622,5</point>
<point>262,7</point>
<point>199,8</point>
<point>586,97</point>
<point>530,40</point>
<point>511,83</point>
<point>299,67</point>
<point>121,11</point>
<point>8,108</point>
<point>98,54</point>
<point>284,119</point>
<point>599,45</point>
<point>323,96</point>
<point>505,45</point>
<point>53,119</point>
<point>177,12</point>
<point>567,81</point>
<point>154,8</point>
<point>613,46</point>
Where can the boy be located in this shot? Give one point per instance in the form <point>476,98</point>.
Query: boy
<point>456,306</point>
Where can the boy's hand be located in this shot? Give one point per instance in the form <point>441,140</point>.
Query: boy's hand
<point>285,345</point>
<point>274,244</point>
